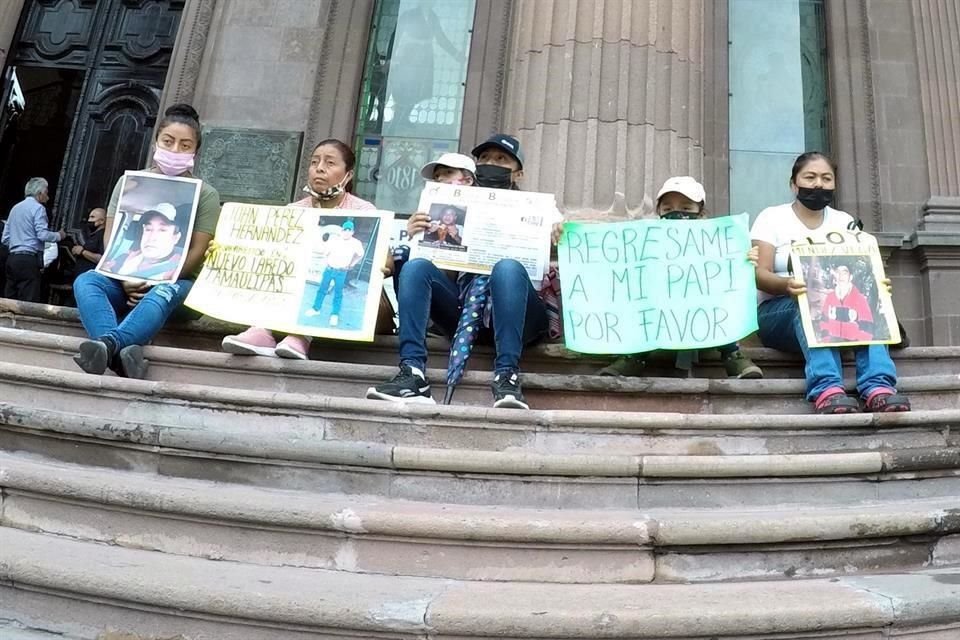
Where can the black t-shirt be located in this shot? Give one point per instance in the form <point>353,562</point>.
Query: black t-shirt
<point>93,244</point>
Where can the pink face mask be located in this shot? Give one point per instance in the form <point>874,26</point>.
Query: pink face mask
<point>172,163</point>
<point>459,180</point>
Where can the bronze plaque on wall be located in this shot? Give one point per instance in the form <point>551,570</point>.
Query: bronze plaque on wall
<point>251,165</point>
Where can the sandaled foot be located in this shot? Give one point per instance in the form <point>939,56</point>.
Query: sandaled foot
<point>835,401</point>
<point>886,401</point>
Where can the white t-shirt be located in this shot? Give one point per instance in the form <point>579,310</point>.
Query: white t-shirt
<point>781,227</point>
<point>342,251</point>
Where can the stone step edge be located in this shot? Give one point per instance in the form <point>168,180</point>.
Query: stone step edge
<point>371,374</point>
<point>284,443</point>
<point>9,631</point>
<point>277,402</point>
<point>374,516</point>
<point>218,329</point>
<point>322,600</point>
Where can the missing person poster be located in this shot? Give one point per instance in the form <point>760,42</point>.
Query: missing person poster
<point>472,228</point>
<point>151,227</point>
<point>846,303</point>
<point>633,287</point>
<point>296,270</point>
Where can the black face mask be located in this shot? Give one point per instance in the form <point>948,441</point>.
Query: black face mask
<point>91,226</point>
<point>680,215</point>
<point>814,199</point>
<point>493,177</point>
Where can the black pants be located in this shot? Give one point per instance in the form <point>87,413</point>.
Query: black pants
<point>23,277</point>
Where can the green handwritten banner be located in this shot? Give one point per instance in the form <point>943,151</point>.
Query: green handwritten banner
<point>632,287</point>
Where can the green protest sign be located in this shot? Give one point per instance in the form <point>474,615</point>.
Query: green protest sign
<point>631,287</point>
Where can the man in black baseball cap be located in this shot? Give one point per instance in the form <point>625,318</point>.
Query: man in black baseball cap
<point>499,162</point>
<point>518,315</point>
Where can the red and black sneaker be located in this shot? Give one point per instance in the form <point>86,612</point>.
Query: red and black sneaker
<point>884,400</point>
<point>835,401</point>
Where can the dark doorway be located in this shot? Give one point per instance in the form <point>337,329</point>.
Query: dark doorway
<point>35,141</point>
<point>97,69</point>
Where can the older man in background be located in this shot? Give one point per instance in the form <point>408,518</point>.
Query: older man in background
<point>23,235</point>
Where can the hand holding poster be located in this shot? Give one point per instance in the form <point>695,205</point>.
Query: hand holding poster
<point>296,270</point>
<point>632,287</point>
<point>151,228</point>
<point>846,303</point>
<point>471,229</point>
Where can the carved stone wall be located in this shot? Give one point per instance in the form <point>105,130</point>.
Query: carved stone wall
<point>186,63</point>
<point>335,84</point>
<point>9,18</point>
<point>257,63</point>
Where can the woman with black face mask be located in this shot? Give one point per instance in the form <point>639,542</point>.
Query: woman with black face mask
<point>774,231</point>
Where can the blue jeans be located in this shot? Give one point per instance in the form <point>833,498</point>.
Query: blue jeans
<point>338,277</point>
<point>781,328</point>
<point>425,293</point>
<point>102,301</point>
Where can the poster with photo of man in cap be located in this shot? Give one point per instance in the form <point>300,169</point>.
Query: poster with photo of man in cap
<point>154,220</point>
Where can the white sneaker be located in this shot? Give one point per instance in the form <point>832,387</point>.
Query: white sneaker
<point>334,321</point>
<point>311,313</point>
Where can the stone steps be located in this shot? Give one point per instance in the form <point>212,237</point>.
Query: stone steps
<point>395,537</point>
<point>142,591</point>
<point>205,335</point>
<point>460,427</point>
<point>543,390</point>
<point>293,441</point>
<point>251,498</point>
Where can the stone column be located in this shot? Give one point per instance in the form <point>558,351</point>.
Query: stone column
<point>937,240</point>
<point>9,19</point>
<point>937,28</point>
<point>606,98</point>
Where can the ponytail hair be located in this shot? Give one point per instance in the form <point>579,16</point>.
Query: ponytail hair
<point>184,114</point>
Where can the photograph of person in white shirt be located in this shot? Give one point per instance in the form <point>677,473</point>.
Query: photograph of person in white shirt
<point>344,252</point>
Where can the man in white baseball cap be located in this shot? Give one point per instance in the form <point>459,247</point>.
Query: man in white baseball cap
<point>451,168</point>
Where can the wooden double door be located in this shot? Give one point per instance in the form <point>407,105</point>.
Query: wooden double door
<point>91,73</point>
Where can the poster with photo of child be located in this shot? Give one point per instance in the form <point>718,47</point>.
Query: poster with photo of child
<point>846,302</point>
<point>151,227</point>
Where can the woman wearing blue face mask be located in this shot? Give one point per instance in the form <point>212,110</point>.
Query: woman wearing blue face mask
<point>121,316</point>
<point>813,181</point>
